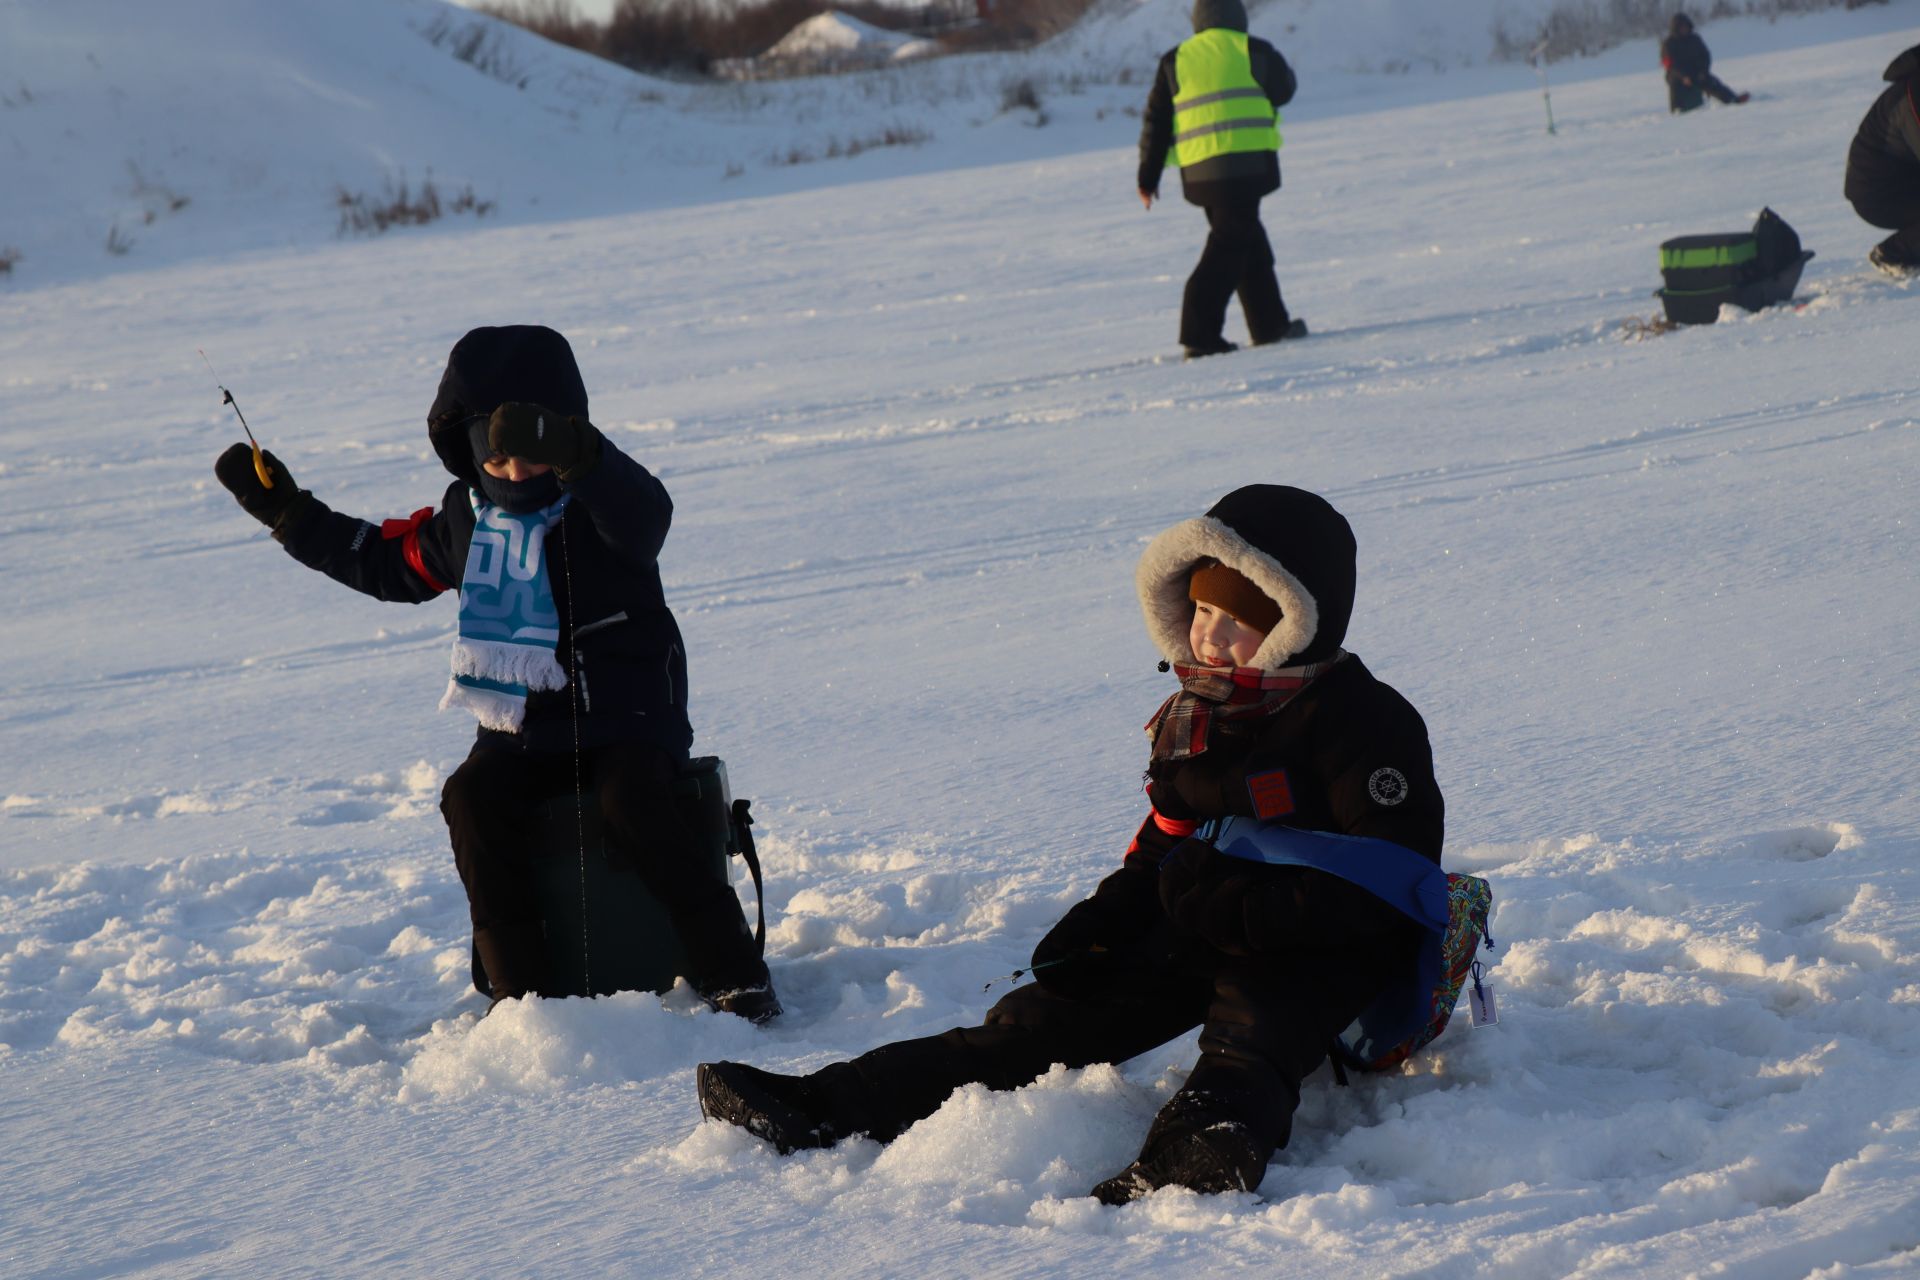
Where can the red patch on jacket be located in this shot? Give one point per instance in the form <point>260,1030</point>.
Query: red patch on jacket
<point>1271,793</point>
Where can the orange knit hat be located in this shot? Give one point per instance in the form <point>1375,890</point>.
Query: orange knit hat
<point>1215,584</point>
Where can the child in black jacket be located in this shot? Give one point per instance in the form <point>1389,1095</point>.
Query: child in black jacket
<point>1275,722</point>
<point>567,652</point>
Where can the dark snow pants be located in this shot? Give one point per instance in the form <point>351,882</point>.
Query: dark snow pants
<point>1265,1026</point>
<point>1237,259</point>
<point>1686,97</point>
<point>488,804</point>
<point>1902,217</point>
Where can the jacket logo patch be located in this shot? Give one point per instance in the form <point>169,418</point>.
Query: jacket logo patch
<point>1387,786</point>
<point>1271,793</point>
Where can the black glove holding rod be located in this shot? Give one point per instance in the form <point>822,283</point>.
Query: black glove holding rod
<point>234,470</point>
<point>1097,939</point>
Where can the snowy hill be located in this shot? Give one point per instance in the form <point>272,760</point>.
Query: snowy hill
<point>833,34</point>
<point>1654,598</point>
<point>145,132</point>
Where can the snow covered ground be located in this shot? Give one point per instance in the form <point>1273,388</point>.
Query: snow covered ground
<point>1656,599</point>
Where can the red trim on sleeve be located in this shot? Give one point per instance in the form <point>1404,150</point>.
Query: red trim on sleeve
<point>1174,826</point>
<point>408,531</point>
<point>1168,826</point>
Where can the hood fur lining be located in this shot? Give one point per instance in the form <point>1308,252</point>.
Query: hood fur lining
<point>1161,581</point>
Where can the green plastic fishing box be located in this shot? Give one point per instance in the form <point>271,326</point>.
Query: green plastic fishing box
<point>1750,269</point>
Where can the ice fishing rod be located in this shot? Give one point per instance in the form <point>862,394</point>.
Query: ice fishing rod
<point>260,467</point>
<point>1018,974</point>
<point>1538,57</point>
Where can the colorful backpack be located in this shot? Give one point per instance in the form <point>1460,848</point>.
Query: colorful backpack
<point>1452,908</point>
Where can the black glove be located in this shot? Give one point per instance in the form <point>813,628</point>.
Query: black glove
<point>1075,936</point>
<point>569,445</point>
<point>1186,865</point>
<point>234,469</point>
<point>1206,894</point>
<point>1097,936</point>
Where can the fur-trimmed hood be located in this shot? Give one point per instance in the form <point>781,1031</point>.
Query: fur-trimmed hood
<point>1292,544</point>
<point>490,366</point>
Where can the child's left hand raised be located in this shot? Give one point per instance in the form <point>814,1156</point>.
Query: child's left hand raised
<point>538,434</point>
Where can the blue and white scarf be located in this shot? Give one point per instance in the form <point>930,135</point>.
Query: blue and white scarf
<point>509,627</point>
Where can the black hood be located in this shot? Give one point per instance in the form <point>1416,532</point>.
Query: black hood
<point>1680,25</point>
<point>1904,65</point>
<point>487,368</point>
<point>1208,14</point>
<point>1292,544</point>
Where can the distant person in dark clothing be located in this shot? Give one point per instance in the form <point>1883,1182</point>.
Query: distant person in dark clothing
<point>1690,78</point>
<point>1883,169</point>
<point>1213,113</point>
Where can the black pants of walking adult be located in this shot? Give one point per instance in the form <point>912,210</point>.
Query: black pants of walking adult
<point>489,804</point>
<point>1900,216</point>
<point>1237,259</point>
<point>1263,1030</point>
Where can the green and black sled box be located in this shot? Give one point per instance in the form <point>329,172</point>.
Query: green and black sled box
<point>604,930</point>
<point>1751,269</point>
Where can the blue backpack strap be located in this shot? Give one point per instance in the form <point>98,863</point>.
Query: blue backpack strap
<point>1411,883</point>
<point>1409,1013</point>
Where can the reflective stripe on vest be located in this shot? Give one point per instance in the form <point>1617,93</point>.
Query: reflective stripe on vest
<point>1221,109</point>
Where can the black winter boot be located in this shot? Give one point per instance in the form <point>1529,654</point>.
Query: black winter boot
<point>1216,347</point>
<point>784,1110</point>
<point>1196,1142</point>
<point>1222,1159</point>
<point>1894,258</point>
<point>753,1000</point>
<point>728,971</point>
<point>1295,328</point>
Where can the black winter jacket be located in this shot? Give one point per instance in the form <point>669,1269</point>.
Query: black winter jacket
<point>1686,58</point>
<point>1883,164</point>
<point>626,665</point>
<point>1347,755</point>
<point>1229,179</point>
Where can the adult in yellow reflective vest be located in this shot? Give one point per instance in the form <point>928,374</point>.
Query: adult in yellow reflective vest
<point>1214,113</point>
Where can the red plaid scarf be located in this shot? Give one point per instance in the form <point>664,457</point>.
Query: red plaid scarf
<point>1179,728</point>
